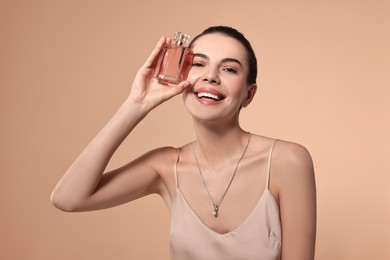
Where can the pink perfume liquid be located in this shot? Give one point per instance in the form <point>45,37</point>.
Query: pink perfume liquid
<point>175,61</point>
<point>174,64</point>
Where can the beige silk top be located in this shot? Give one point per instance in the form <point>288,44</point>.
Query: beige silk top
<point>257,238</point>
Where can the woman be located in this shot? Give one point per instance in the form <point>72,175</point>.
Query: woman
<point>232,194</point>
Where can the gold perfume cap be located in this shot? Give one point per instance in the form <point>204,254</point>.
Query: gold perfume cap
<point>181,39</point>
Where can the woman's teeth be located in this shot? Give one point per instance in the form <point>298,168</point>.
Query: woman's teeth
<point>208,95</point>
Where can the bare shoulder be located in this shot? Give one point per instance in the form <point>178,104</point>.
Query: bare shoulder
<point>291,154</point>
<point>161,158</point>
<point>292,166</point>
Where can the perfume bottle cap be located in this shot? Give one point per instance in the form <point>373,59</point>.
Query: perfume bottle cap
<point>181,39</point>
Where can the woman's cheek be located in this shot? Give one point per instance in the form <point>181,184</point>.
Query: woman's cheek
<point>193,76</point>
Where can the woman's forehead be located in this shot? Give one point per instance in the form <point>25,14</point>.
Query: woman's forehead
<point>218,45</point>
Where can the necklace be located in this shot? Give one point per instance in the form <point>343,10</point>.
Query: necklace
<point>216,204</point>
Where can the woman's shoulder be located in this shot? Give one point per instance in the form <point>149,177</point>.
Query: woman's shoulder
<point>292,164</point>
<point>165,155</point>
<point>291,153</point>
<point>285,151</point>
<point>288,158</point>
<point>161,154</point>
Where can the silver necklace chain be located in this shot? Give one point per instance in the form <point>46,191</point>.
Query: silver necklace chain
<point>218,203</point>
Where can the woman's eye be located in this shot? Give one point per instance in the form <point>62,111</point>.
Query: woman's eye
<point>230,70</point>
<point>197,64</point>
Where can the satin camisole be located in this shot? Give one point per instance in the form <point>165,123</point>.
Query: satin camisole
<point>257,238</point>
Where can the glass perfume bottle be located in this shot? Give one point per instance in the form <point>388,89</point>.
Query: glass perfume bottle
<point>175,60</point>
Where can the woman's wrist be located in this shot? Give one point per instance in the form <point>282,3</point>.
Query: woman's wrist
<point>129,114</point>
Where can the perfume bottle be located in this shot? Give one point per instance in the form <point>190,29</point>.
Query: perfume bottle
<point>175,60</point>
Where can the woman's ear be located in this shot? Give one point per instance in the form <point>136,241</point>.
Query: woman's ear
<point>249,95</point>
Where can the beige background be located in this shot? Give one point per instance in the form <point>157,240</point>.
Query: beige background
<point>66,66</point>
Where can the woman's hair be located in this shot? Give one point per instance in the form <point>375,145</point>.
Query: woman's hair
<point>231,32</point>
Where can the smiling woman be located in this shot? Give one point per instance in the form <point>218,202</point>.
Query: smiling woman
<point>232,194</point>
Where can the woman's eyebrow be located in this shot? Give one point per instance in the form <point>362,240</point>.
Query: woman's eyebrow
<point>201,55</point>
<point>232,60</point>
<point>204,56</point>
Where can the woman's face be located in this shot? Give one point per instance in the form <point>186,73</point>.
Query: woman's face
<point>219,78</point>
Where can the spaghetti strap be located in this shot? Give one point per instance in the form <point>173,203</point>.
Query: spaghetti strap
<point>175,167</point>
<point>269,163</point>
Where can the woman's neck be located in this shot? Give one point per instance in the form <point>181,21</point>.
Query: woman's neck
<point>216,145</point>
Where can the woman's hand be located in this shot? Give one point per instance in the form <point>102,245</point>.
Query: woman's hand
<point>146,89</point>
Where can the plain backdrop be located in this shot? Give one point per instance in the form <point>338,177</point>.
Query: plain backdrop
<point>66,66</point>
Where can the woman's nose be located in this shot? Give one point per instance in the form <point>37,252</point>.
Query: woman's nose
<point>211,76</point>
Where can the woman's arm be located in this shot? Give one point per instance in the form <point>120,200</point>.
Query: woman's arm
<point>294,176</point>
<point>84,186</point>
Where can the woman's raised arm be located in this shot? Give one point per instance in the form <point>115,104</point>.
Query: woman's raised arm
<point>84,186</point>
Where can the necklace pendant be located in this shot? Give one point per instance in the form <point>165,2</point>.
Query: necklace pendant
<point>215,210</point>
